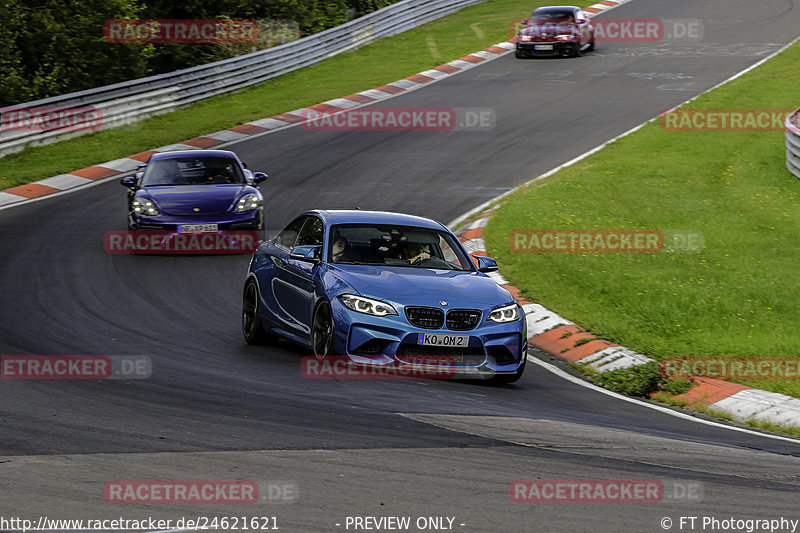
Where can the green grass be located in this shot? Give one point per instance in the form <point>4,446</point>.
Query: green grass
<point>387,60</point>
<point>738,297</point>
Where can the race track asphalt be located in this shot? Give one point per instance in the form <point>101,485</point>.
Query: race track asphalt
<point>216,408</point>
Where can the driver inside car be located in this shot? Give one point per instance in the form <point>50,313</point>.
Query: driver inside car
<point>415,252</point>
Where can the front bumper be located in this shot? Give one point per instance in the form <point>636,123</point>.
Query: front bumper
<point>392,340</point>
<point>225,221</point>
<point>547,49</point>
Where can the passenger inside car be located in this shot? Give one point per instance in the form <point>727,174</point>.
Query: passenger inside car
<point>341,252</point>
<point>164,172</point>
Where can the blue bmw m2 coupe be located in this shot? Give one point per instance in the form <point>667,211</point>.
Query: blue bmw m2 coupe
<point>384,289</point>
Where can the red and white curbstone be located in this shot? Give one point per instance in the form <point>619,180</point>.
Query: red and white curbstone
<point>554,334</point>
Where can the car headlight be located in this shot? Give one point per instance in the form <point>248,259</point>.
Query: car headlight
<point>367,306</point>
<point>248,202</point>
<point>142,206</point>
<point>525,38</point>
<point>509,313</point>
<point>564,37</point>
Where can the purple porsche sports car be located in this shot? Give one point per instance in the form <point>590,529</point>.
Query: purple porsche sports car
<point>195,190</point>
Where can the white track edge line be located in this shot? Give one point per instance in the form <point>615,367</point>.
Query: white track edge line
<point>485,205</point>
<point>489,203</point>
<point>569,377</point>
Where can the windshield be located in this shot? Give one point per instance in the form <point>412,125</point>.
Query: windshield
<point>403,246</point>
<point>550,16</point>
<point>191,170</point>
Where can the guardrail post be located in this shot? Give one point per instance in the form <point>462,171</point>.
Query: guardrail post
<point>793,142</point>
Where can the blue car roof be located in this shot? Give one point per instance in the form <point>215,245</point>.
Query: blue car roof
<point>182,153</point>
<point>357,216</point>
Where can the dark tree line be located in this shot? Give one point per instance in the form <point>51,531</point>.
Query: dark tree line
<point>53,47</point>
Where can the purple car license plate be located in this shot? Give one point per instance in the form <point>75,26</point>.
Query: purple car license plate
<point>195,228</point>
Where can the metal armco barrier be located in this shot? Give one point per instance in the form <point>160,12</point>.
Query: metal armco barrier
<point>131,101</point>
<point>793,143</point>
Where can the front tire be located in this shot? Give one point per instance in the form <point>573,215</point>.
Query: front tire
<point>252,328</point>
<point>322,330</point>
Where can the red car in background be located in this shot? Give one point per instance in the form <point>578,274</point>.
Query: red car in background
<point>556,31</point>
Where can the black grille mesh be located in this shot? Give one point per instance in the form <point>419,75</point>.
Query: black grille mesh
<point>463,319</point>
<point>425,317</point>
<point>440,355</point>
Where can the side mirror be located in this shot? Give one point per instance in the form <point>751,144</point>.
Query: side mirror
<point>485,264</point>
<point>131,181</point>
<point>309,254</point>
<point>580,21</point>
<point>258,177</point>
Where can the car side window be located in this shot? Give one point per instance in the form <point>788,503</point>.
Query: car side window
<point>288,236</point>
<point>311,234</point>
<point>448,253</point>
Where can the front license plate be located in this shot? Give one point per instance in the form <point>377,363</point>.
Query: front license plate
<point>543,47</point>
<point>440,339</point>
<point>189,228</point>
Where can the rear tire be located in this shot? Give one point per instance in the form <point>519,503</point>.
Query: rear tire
<point>252,329</point>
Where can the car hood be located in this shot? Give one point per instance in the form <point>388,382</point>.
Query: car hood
<point>537,29</point>
<point>195,199</point>
<point>424,286</point>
